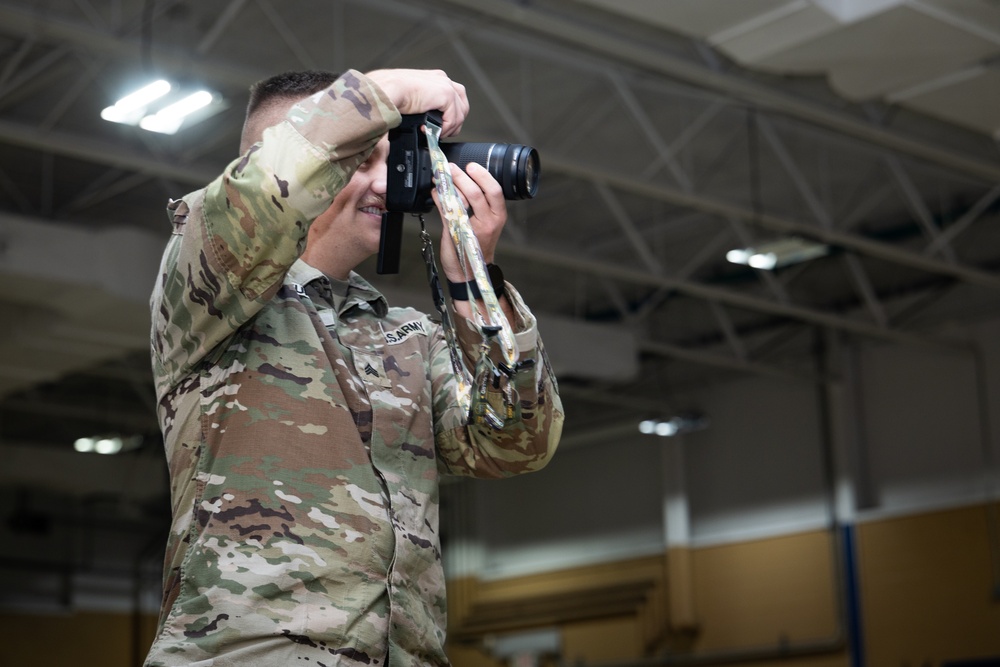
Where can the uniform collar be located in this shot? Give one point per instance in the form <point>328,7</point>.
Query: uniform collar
<point>360,292</point>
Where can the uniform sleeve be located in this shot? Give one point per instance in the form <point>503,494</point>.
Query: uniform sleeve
<point>523,445</point>
<point>242,233</point>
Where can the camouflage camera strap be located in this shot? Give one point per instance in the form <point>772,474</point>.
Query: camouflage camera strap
<point>493,400</point>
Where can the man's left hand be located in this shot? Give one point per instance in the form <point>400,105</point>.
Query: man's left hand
<point>483,198</point>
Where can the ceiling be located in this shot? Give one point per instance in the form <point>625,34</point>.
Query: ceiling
<point>669,133</point>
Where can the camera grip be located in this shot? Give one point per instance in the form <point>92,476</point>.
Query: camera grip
<point>390,243</point>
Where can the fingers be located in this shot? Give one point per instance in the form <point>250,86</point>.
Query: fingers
<point>419,91</point>
<point>479,190</point>
<point>454,111</point>
<point>485,197</point>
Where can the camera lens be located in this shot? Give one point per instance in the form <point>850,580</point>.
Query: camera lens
<point>516,167</point>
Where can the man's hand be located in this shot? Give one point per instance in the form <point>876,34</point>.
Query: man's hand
<point>483,198</point>
<point>417,91</point>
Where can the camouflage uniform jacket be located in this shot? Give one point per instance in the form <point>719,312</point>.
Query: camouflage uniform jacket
<point>304,442</point>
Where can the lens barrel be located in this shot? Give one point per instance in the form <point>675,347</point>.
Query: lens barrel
<point>514,166</point>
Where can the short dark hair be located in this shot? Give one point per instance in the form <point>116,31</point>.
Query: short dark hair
<point>288,85</point>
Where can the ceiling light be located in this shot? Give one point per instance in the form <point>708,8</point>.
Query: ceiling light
<point>740,255</point>
<point>666,429</point>
<point>84,445</point>
<point>680,424</point>
<point>763,260</point>
<point>169,119</point>
<point>162,107</point>
<point>779,253</point>
<point>131,108</point>
<point>107,444</point>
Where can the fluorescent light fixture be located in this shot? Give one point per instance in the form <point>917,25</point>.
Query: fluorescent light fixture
<point>170,118</point>
<point>775,254</point>
<point>163,108</point>
<point>131,108</point>
<point>740,255</point>
<point>763,260</point>
<point>84,445</point>
<point>107,444</point>
<point>666,428</point>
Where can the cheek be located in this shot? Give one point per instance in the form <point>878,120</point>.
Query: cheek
<point>345,201</point>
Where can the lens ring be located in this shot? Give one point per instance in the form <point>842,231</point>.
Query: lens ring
<point>528,169</point>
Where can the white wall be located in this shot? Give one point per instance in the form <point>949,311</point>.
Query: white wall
<point>921,428</point>
<point>907,434</point>
<point>590,504</point>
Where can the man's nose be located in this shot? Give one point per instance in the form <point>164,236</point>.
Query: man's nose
<point>379,177</point>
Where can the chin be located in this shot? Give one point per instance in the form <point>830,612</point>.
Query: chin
<point>374,241</point>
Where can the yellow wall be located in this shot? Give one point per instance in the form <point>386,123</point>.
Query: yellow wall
<point>597,642</point>
<point>765,592</point>
<point>926,587</point>
<point>82,639</point>
<point>761,596</point>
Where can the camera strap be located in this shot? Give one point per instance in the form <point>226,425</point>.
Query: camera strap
<point>492,321</point>
<point>463,377</point>
<point>493,401</point>
<point>487,396</point>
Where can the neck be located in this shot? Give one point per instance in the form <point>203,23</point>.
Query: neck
<point>328,263</point>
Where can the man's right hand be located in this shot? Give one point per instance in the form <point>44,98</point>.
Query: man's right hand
<point>417,91</point>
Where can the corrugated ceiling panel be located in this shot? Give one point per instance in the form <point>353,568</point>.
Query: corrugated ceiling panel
<point>700,18</point>
<point>973,102</point>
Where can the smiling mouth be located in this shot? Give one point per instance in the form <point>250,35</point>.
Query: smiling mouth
<point>373,209</point>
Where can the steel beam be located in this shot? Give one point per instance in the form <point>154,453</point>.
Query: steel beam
<point>774,223</point>
<point>597,39</point>
<point>702,291</point>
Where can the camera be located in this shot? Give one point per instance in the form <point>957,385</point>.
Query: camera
<point>409,179</point>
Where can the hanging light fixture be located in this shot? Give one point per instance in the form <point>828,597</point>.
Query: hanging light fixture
<point>131,108</point>
<point>106,444</point>
<point>779,253</point>
<point>163,107</point>
<point>170,118</point>
<point>677,425</point>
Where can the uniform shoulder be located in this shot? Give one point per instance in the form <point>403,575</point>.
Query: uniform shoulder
<point>403,314</point>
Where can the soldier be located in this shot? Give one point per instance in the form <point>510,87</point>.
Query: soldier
<point>306,422</point>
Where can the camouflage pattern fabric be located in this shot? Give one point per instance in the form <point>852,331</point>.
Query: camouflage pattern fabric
<point>305,439</point>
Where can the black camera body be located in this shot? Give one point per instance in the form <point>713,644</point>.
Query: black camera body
<point>410,179</point>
